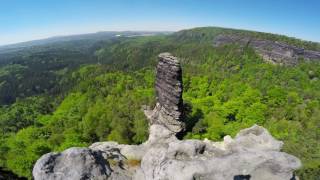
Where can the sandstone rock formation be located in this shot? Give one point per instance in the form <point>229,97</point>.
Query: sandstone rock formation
<point>73,163</point>
<point>271,51</point>
<point>253,154</point>
<point>168,110</point>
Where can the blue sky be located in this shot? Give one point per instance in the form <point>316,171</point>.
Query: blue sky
<point>22,20</point>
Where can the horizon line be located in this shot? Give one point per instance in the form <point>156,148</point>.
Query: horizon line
<point>172,31</point>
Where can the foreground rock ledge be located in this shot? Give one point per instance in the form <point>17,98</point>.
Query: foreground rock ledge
<point>253,154</point>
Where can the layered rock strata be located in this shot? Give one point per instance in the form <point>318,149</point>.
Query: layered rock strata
<point>253,154</point>
<point>168,111</point>
<point>271,51</point>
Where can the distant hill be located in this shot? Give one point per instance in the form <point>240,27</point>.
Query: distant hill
<point>90,37</point>
<point>208,34</point>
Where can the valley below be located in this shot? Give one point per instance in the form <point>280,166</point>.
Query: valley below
<point>67,92</point>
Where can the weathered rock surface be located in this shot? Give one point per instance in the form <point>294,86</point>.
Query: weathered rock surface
<point>271,51</point>
<point>168,111</point>
<point>73,163</point>
<point>253,154</point>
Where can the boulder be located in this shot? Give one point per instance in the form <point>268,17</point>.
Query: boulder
<point>71,164</point>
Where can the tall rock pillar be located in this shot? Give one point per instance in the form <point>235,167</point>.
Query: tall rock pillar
<point>168,111</point>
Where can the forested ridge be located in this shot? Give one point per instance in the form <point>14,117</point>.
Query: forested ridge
<point>55,98</point>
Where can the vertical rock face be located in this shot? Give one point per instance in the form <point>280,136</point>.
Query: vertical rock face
<point>169,108</point>
<point>169,85</point>
<point>271,51</point>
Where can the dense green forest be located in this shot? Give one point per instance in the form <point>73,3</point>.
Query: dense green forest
<point>53,99</point>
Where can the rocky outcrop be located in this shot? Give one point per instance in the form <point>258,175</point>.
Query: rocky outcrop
<point>253,154</point>
<point>169,108</point>
<point>271,51</point>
